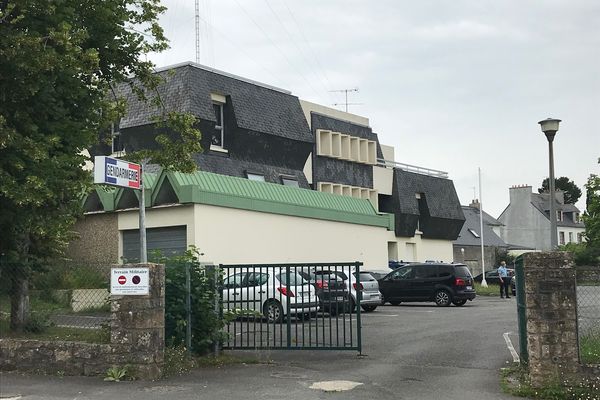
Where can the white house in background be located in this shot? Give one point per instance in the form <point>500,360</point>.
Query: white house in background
<point>526,220</point>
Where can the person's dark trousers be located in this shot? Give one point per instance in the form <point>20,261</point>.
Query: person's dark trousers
<point>504,288</point>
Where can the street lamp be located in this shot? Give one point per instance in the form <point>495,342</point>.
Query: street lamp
<point>550,127</point>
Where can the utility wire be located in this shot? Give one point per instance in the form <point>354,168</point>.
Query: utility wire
<point>277,47</point>
<point>298,26</point>
<point>293,40</point>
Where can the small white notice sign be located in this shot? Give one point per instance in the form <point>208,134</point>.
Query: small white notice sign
<point>129,281</point>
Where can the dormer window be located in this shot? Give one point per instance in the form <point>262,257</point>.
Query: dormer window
<point>559,216</point>
<point>116,142</point>
<point>255,177</point>
<point>577,220</point>
<point>289,181</point>
<point>217,141</point>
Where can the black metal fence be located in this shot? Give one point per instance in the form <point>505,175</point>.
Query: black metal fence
<point>64,300</point>
<point>588,314</point>
<point>292,306</point>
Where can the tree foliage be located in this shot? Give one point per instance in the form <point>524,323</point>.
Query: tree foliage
<point>591,217</point>
<point>571,190</point>
<point>59,63</point>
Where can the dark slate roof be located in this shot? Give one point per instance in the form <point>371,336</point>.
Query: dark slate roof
<point>442,217</point>
<point>542,203</point>
<point>187,88</point>
<point>466,238</point>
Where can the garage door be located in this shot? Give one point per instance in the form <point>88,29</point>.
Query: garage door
<point>170,241</point>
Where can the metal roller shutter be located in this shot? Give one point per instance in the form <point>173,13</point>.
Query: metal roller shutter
<point>170,241</point>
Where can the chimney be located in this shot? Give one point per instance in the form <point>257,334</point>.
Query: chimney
<point>560,196</point>
<point>475,204</point>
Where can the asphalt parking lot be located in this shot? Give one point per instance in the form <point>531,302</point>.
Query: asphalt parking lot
<point>411,351</point>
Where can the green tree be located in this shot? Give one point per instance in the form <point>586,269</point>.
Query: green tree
<point>59,63</point>
<point>591,217</point>
<point>572,191</point>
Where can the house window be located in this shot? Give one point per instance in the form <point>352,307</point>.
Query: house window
<point>579,238</point>
<point>559,216</point>
<point>289,181</point>
<point>570,237</point>
<point>577,217</point>
<point>116,143</point>
<point>474,233</point>
<point>561,236</point>
<point>255,177</point>
<point>218,136</point>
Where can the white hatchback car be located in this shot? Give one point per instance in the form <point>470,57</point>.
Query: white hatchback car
<point>267,292</point>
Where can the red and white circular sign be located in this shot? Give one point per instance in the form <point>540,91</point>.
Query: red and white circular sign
<point>122,280</point>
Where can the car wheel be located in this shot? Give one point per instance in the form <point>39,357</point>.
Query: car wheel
<point>368,308</point>
<point>273,311</point>
<point>442,298</point>
<point>395,303</point>
<point>459,303</point>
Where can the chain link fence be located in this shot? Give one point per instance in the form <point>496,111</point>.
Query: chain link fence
<point>588,314</point>
<point>61,301</point>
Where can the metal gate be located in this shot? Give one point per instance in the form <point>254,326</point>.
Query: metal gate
<point>292,306</point>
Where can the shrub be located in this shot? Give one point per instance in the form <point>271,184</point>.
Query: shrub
<point>207,324</point>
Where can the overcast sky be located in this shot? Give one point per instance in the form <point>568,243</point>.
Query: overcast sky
<point>452,85</point>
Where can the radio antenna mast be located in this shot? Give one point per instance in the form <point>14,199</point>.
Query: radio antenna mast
<point>345,91</point>
<point>197,31</point>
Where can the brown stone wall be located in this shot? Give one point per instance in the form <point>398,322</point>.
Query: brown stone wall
<point>137,339</point>
<point>551,317</point>
<point>98,240</point>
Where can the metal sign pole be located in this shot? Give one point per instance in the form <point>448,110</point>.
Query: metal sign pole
<point>143,249</point>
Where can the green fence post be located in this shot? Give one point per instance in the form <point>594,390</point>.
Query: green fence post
<point>521,309</point>
<point>358,301</point>
<point>188,309</point>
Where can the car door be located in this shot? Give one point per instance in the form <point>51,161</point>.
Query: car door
<point>254,292</point>
<point>396,285</point>
<point>424,283</point>
<point>232,291</point>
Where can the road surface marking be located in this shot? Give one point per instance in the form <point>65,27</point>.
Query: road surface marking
<point>510,346</point>
<point>335,386</point>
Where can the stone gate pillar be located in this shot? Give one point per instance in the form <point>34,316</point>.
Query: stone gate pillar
<point>138,326</point>
<point>550,292</point>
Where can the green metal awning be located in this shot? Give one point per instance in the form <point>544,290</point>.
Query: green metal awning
<point>227,191</point>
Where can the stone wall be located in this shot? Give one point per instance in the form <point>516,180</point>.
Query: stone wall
<point>551,300</point>
<point>137,340</point>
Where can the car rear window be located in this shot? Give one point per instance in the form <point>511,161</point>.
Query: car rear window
<point>365,277</point>
<point>462,270</point>
<point>295,279</point>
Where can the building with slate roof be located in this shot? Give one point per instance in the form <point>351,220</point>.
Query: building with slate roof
<point>467,247</point>
<point>266,152</point>
<point>526,220</point>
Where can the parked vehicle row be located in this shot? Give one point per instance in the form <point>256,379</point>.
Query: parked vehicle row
<point>334,291</point>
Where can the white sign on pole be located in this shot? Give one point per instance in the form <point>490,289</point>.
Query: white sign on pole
<point>130,281</point>
<point>112,171</point>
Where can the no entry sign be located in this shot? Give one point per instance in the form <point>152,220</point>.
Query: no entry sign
<point>129,281</point>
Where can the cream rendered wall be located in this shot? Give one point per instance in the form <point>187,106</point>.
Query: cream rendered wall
<point>388,152</point>
<point>566,230</point>
<point>426,249</point>
<point>383,179</point>
<point>162,216</point>
<point>230,236</point>
<point>308,107</point>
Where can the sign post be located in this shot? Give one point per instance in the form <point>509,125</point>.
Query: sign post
<point>115,172</point>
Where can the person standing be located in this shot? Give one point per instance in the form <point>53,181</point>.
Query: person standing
<point>504,280</point>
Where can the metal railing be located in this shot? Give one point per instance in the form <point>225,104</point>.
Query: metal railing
<point>412,168</point>
<point>292,306</point>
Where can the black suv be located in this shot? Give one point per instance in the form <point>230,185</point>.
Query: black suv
<point>443,283</point>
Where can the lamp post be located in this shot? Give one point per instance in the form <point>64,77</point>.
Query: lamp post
<point>550,127</point>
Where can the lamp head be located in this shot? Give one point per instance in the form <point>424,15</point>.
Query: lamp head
<point>549,127</point>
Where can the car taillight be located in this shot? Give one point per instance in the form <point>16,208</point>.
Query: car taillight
<point>360,286</point>
<point>322,284</point>
<point>284,291</point>
<point>459,282</point>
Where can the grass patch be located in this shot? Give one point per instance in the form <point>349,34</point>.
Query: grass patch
<point>101,335</point>
<point>515,381</point>
<point>491,290</point>
<point>589,348</point>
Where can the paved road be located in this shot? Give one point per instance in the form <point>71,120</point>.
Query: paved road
<point>412,351</point>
